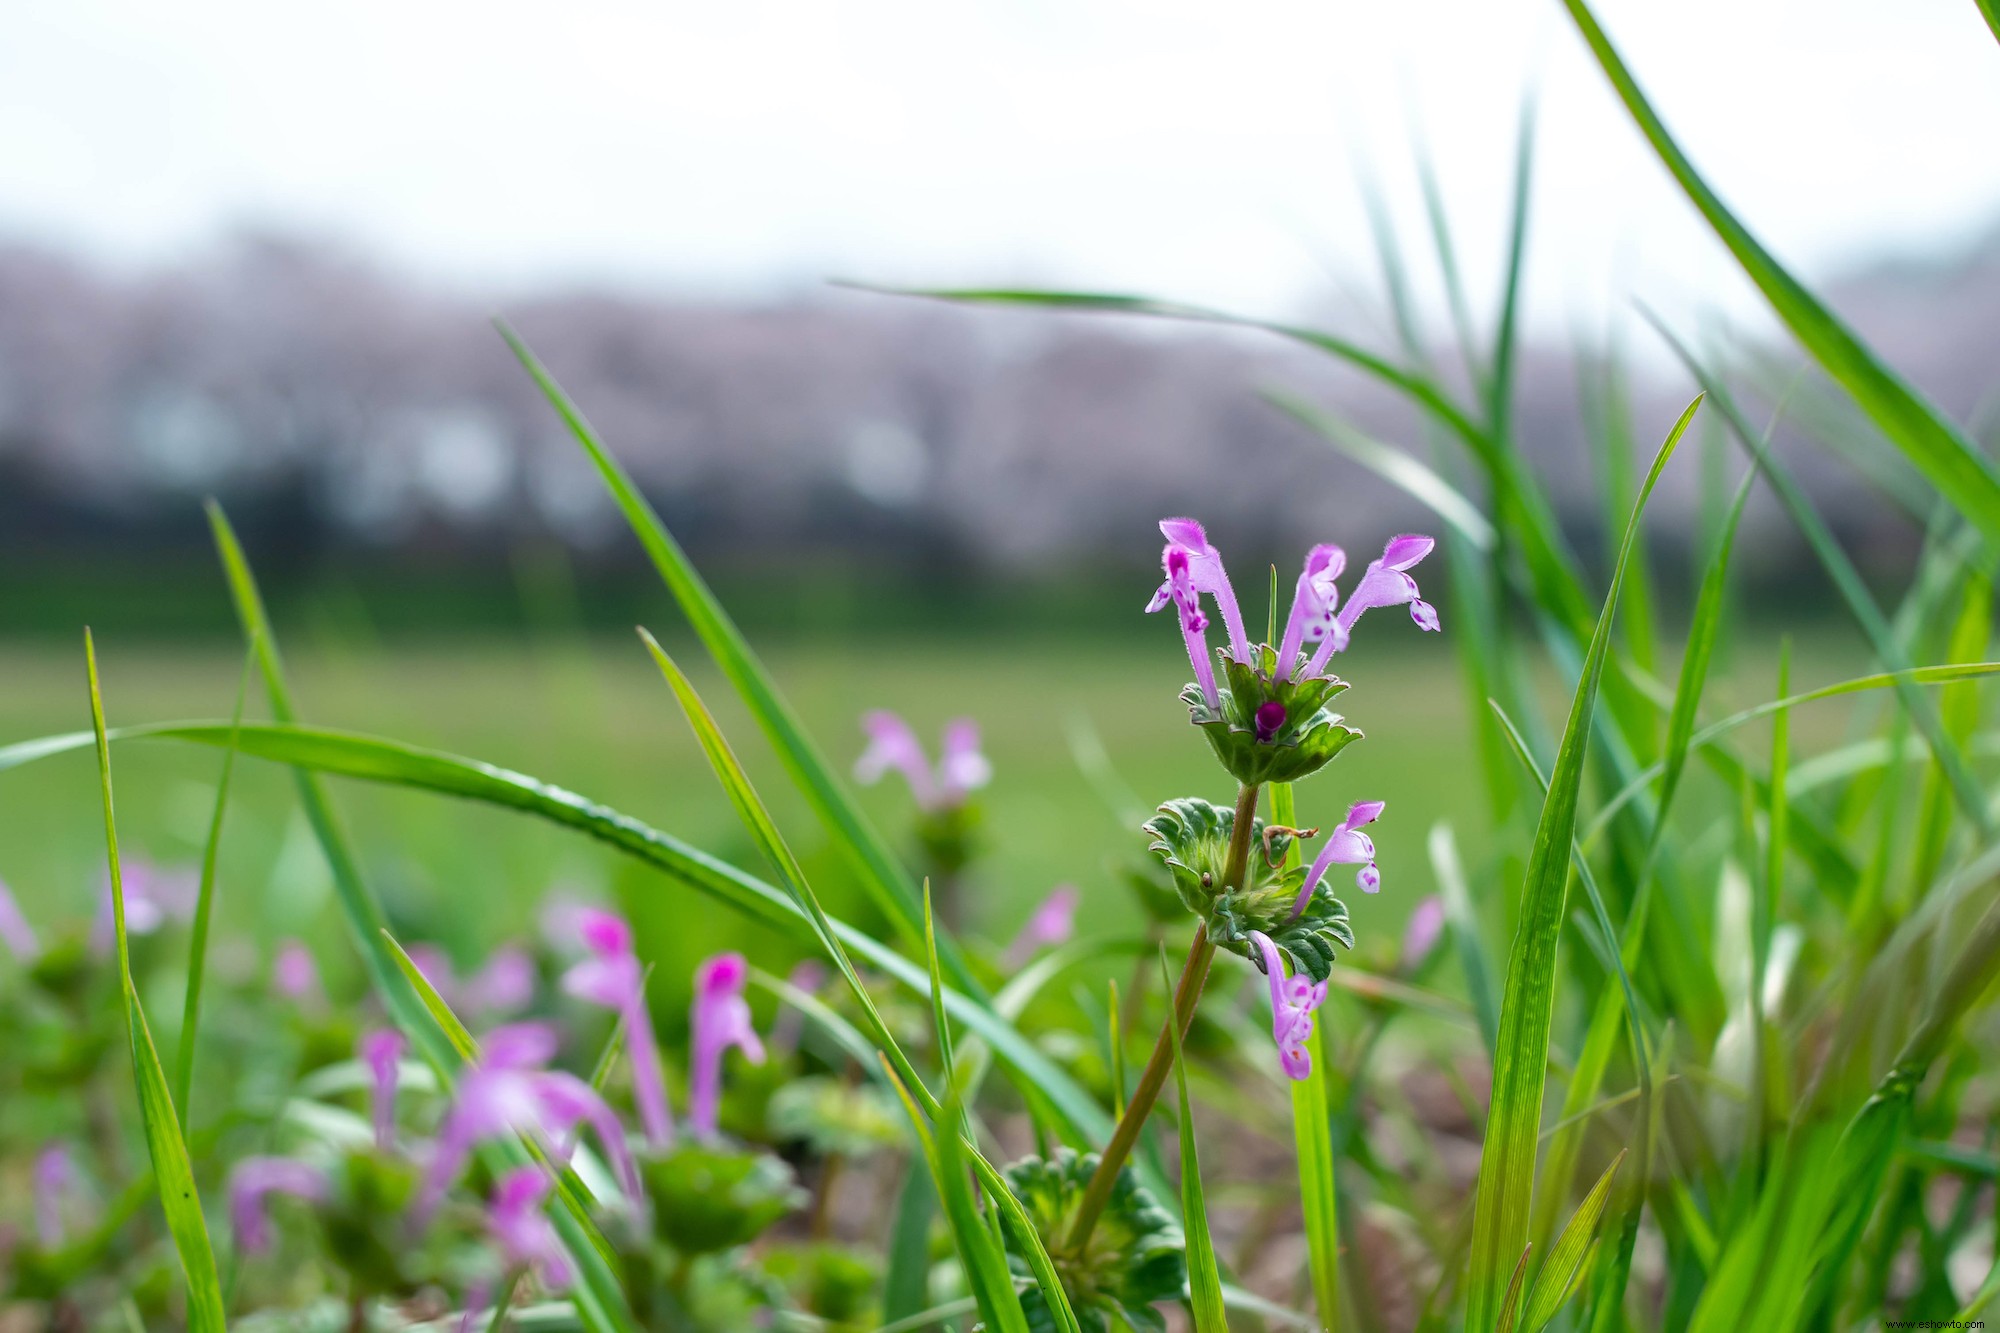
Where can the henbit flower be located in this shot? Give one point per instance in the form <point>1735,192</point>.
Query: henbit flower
<point>1053,922</point>
<point>505,985</point>
<point>962,768</point>
<point>1312,619</point>
<point>721,1019</point>
<point>15,932</point>
<point>508,1091</point>
<point>1205,574</point>
<point>527,1239</point>
<point>55,1173</point>
<point>152,897</point>
<point>612,977</point>
<point>1348,846</point>
<point>1293,1000</point>
<point>251,1184</point>
<point>1180,591</point>
<point>1386,582</point>
<point>1421,935</point>
<point>892,746</point>
<point>294,975</point>
<point>382,1050</point>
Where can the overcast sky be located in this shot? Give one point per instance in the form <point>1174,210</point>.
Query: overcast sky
<point>1202,151</point>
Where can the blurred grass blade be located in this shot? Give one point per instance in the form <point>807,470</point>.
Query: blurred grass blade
<point>1564,1265</point>
<point>906,1284</point>
<point>173,1170</point>
<point>1500,383</point>
<point>1394,466</point>
<point>204,908</point>
<point>1471,944</point>
<point>1204,1275</point>
<point>882,875</point>
<point>1312,1136</point>
<point>373,759</point>
<point>1936,446</point>
<point>1513,1130</point>
<point>757,821</point>
<point>455,1031</point>
<point>1853,590</point>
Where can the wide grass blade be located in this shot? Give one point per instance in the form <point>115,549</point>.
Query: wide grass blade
<point>204,907</point>
<point>173,1169</point>
<point>882,876</point>
<point>1513,1128</point>
<point>1204,1274</point>
<point>1930,440</point>
<point>1560,1271</point>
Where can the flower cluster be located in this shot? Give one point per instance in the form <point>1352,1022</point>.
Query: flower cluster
<point>1266,717</point>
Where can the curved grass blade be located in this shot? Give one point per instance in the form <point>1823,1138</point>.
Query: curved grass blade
<point>373,759</point>
<point>203,908</point>
<point>1204,1274</point>
<point>1560,1271</point>
<point>1931,441</point>
<point>173,1170</point>
<point>882,875</point>
<point>1507,1166</point>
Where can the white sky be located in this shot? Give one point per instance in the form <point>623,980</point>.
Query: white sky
<point>1199,151</point>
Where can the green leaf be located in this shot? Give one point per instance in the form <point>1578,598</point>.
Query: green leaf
<point>1564,1265</point>
<point>173,1169</point>
<point>882,877</point>
<point>204,906</point>
<point>1507,1166</point>
<point>1936,446</point>
<point>1204,1274</point>
<point>1990,11</point>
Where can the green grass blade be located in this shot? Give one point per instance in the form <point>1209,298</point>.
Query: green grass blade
<point>203,908</point>
<point>1990,11</point>
<point>1500,385</point>
<point>449,1023</point>
<point>1312,1138</point>
<point>373,759</point>
<point>757,821</point>
<point>1204,1274</point>
<point>1399,469</point>
<point>1560,1271</point>
<point>906,1285</point>
<point>173,1169</point>
<point>1507,1166</point>
<point>882,876</point>
<point>1473,959</point>
<point>1930,440</point>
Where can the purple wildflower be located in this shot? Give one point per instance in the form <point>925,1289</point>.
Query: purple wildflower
<point>612,977</point>
<point>1386,582</point>
<point>1422,934</point>
<point>1348,846</point>
<point>517,1221</point>
<point>55,1176</point>
<point>1205,574</point>
<point>508,1091</point>
<point>253,1181</point>
<point>15,932</point>
<point>721,1019</point>
<point>152,898</point>
<point>1293,1000</point>
<point>294,975</point>
<point>894,747</point>
<point>505,985</point>
<point>1053,923</point>
<point>1312,619</point>
<point>381,1050</point>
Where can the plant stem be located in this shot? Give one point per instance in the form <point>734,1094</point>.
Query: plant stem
<point>1187,993</point>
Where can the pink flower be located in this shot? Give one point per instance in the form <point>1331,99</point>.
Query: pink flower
<point>1179,589</point>
<point>505,985</point>
<point>894,747</point>
<point>382,1050</point>
<point>721,1019</point>
<point>1312,619</point>
<point>15,932</point>
<point>1293,1000</point>
<point>1347,845</point>
<point>508,1092</point>
<point>1386,582</point>
<point>252,1183</point>
<point>611,976</point>
<point>294,975</point>
<point>1422,934</point>
<point>1053,922</point>
<point>1200,566</point>
<point>152,898</point>
<point>527,1240</point>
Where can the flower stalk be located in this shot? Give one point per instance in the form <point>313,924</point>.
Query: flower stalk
<point>1187,994</point>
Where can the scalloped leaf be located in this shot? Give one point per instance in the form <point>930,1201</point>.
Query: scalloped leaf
<point>1310,938</point>
<point>1308,739</point>
<point>1136,1257</point>
<point>1192,836</point>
